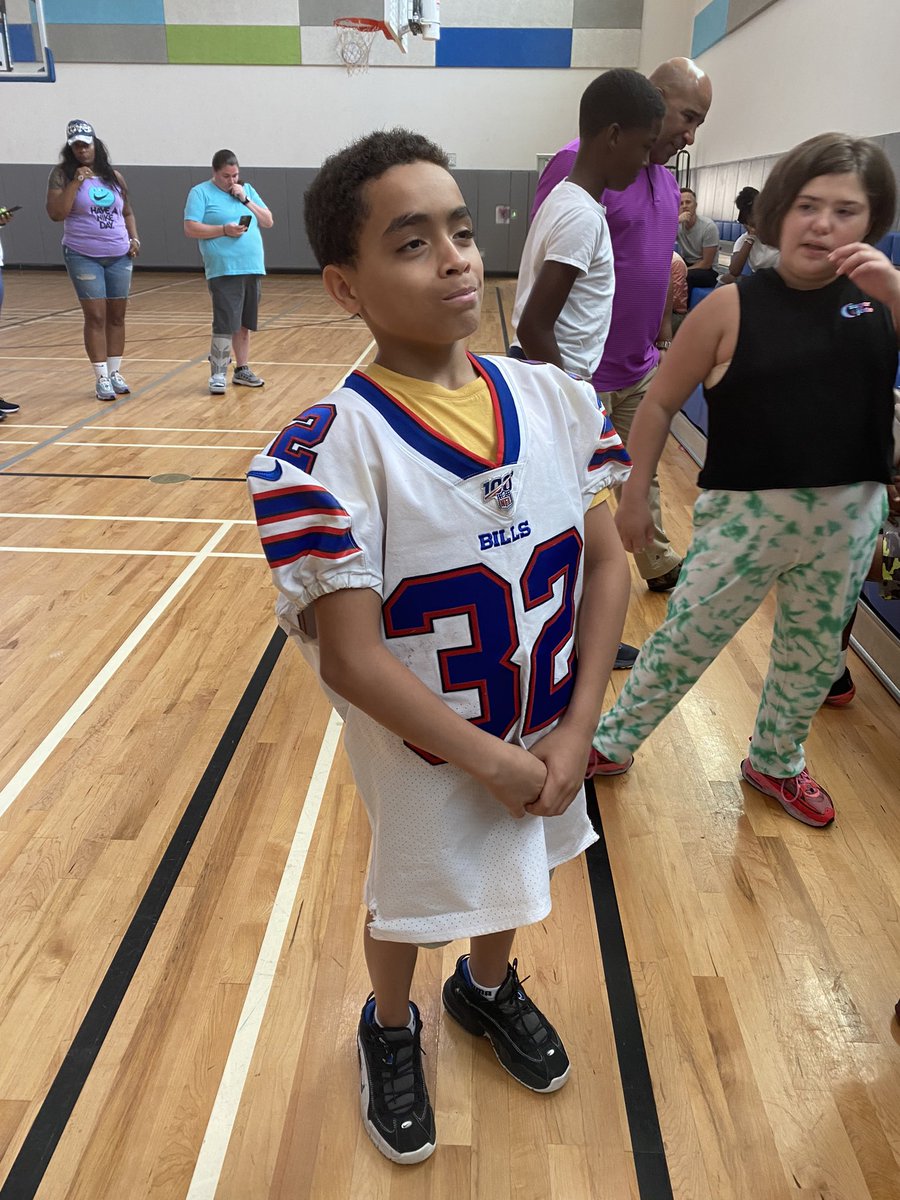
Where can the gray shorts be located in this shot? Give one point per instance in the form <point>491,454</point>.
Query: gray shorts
<point>235,303</point>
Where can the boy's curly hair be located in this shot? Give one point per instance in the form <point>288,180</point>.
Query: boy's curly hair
<point>334,206</point>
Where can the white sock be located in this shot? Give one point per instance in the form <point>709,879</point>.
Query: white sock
<point>115,363</point>
<point>842,666</point>
<point>101,370</point>
<point>412,1020</point>
<point>489,993</point>
<point>219,353</point>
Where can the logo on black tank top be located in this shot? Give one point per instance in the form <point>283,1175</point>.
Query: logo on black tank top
<point>857,310</point>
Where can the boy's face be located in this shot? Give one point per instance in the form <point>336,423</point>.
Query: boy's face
<point>629,153</point>
<point>418,277</point>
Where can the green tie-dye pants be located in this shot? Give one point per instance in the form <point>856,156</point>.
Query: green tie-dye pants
<point>814,546</point>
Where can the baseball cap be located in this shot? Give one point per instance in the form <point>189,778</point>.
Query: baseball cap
<point>79,131</point>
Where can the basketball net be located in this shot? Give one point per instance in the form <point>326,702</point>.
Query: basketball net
<point>355,38</point>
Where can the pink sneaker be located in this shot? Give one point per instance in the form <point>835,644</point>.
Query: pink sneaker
<point>799,795</point>
<point>599,764</point>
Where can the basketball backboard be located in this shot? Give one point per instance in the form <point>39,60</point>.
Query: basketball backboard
<point>25,56</point>
<point>421,18</point>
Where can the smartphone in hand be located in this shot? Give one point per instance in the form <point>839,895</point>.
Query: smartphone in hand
<point>244,222</point>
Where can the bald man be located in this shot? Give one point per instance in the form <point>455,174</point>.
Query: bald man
<point>643,224</point>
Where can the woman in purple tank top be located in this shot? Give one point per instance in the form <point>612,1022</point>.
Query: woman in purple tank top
<point>100,241</point>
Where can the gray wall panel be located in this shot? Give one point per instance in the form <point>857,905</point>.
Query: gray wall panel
<point>149,201</point>
<point>298,180</point>
<point>158,195</point>
<point>608,14</point>
<point>181,251</point>
<point>24,239</point>
<point>271,184</point>
<point>493,238</point>
<point>740,11</point>
<point>518,228</point>
<point>108,43</point>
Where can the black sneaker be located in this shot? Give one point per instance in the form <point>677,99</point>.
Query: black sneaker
<point>665,583</point>
<point>626,656</point>
<point>6,406</point>
<point>394,1100</point>
<point>525,1042</point>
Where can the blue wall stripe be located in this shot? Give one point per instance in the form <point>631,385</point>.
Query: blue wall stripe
<point>710,26</point>
<point>504,48</point>
<point>104,12</point>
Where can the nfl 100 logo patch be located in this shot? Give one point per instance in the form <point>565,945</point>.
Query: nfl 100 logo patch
<point>499,489</point>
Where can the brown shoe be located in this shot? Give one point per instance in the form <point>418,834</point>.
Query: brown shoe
<point>665,583</point>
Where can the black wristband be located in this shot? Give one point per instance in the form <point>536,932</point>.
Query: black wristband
<point>245,201</point>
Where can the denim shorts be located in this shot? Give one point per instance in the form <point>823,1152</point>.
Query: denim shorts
<point>98,278</point>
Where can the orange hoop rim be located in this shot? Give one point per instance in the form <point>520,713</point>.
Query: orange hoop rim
<point>361,24</point>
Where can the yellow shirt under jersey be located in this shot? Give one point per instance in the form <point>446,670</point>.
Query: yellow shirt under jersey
<point>463,415</point>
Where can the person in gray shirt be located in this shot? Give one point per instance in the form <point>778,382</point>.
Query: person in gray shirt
<point>697,242</point>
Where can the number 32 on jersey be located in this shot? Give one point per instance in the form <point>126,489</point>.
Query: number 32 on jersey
<point>487,663</point>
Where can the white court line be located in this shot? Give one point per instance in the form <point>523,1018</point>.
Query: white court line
<point>138,362</point>
<point>155,520</point>
<point>150,446</point>
<point>152,429</point>
<point>39,756</point>
<point>123,553</point>
<point>211,1158</point>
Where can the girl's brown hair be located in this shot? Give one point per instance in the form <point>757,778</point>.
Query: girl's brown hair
<point>827,154</point>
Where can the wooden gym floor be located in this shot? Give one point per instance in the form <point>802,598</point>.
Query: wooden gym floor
<point>182,854</point>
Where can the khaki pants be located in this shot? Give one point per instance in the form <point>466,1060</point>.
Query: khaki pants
<point>659,557</point>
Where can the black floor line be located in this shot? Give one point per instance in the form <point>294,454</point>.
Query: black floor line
<point>650,1163</point>
<point>72,475</point>
<point>48,1126</point>
<point>503,329</point>
<point>30,1165</point>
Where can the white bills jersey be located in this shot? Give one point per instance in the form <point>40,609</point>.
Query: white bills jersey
<point>479,568</point>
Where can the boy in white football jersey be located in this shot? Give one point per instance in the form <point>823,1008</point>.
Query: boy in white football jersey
<point>437,532</point>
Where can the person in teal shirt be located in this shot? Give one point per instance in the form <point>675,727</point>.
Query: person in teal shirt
<point>216,214</point>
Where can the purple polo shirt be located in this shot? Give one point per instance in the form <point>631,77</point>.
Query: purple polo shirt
<point>643,224</point>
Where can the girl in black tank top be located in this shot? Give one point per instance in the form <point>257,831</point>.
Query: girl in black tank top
<point>798,366</point>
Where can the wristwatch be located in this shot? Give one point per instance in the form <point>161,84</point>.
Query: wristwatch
<point>246,200</point>
<point>662,345</point>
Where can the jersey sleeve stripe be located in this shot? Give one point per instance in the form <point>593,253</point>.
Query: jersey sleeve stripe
<point>297,501</point>
<point>315,542</point>
<point>610,454</point>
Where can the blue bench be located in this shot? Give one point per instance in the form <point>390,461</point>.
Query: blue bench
<point>890,245</point>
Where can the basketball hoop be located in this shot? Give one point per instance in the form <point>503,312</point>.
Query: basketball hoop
<point>355,38</point>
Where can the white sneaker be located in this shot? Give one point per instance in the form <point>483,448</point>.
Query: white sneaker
<point>104,390</point>
<point>119,386</point>
<point>217,385</point>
